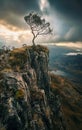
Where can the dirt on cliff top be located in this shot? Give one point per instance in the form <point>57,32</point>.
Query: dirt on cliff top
<point>14,60</point>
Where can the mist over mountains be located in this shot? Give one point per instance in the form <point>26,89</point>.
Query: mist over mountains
<point>66,62</point>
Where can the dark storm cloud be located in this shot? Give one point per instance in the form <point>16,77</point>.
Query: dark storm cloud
<point>17,6</point>
<point>71,13</point>
<point>74,34</point>
<point>69,8</point>
<point>12,10</point>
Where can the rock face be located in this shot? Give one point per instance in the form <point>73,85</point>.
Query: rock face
<point>39,62</point>
<point>27,101</point>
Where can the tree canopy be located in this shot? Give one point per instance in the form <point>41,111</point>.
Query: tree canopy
<point>37,25</point>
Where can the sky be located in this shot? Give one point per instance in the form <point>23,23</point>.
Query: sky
<point>65,17</point>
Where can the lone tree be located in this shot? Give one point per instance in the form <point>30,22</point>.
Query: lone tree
<point>37,25</point>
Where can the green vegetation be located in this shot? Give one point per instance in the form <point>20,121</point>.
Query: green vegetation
<point>70,100</point>
<point>40,48</point>
<point>18,58</point>
<point>19,94</point>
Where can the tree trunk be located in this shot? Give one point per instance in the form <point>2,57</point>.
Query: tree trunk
<point>33,37</point>
<point>33,41</point>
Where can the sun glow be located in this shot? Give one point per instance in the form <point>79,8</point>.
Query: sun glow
<point>70,44</point>
<point>44,4</point>
<point>10,36</point>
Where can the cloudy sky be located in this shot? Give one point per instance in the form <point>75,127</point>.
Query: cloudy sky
<point>65,17</point>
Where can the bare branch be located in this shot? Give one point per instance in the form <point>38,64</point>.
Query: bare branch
<point>37,25</point>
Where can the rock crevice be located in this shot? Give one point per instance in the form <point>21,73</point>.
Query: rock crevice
<point>26,100</point>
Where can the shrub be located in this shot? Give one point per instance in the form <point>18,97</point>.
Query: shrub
<point>19,94</point>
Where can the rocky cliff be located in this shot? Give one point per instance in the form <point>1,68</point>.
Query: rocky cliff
<point>30,97</point>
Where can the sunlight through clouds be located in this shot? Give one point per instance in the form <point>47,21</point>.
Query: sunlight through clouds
<point>15,36</point>
<point>44,4</point>
<point>65,21</point>
<point>70,44</point>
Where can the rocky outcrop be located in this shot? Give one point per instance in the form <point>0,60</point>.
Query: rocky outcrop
<point>27,100</point>
<point>22,103</point>
<point>39,62</point>
<point>25,91</point>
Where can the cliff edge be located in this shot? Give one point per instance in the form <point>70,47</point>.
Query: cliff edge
<point>31,98</point>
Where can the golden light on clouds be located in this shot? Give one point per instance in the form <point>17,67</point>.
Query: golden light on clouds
<point>16,36</point>
<point>70,44</point>
<point>13,34</point>
<point>8,26</point>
